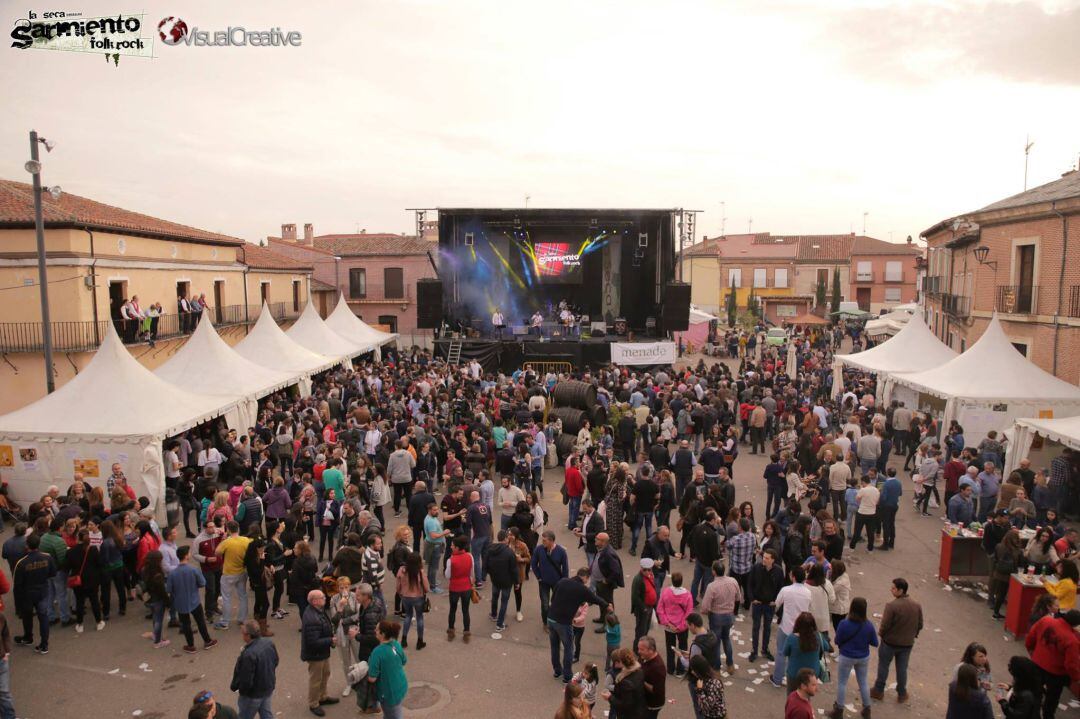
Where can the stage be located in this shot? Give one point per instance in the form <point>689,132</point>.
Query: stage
<point>510,354</point>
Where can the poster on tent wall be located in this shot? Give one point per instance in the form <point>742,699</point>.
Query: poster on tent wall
<point>42,464</point>
<point>978,418</point>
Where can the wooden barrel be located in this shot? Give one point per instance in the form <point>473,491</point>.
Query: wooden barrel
<point>572,393</point>
<point>598,416</point>
<point>571,417</point>
<point>564,445</point>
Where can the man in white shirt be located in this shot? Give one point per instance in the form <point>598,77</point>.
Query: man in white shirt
<point>497,323</point>
<point>866,516</point>
<point>794,599</point>
<point>537,323</point>
<point>371,441</point>
<point>822,416</point>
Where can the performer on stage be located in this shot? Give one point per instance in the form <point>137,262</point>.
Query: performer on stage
<point>567,319</point>
<point>537,324</point>
<point>497,323</point>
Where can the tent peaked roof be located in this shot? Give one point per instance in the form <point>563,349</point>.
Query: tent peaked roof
<point>345,323</point>
<point>913,349</point>
<point>991,369</point>
<point>311,332</point>
<point>269,346</point>
<point>114,396</point>
<point>1065,430</point>
<point>208,365</point>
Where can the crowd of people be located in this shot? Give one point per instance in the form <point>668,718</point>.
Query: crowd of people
<point>411,478</point>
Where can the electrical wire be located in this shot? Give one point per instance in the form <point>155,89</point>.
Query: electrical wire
<point>38,284</point>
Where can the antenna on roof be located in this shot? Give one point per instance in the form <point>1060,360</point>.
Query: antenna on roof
<point>864,214</point>
<point>1028,142</point>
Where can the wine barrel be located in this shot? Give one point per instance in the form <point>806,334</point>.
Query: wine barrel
<point>572,393</point>
<point>572,418</point>
<point>564,445</point>
<point>598,416</point>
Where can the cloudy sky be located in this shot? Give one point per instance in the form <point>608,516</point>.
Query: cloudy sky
<point>800,115</point>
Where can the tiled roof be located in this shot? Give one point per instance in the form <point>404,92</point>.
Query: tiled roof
<point>1061,189</point>
<point>17,210</point>
<point>261,258</point>
<point>320,286</point>
<point>756,246</point>
<point>297,245</point>
<point>368,244</point>
<point>824,248</point>
<point>872,246</point>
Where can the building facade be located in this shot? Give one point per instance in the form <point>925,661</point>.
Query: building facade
<point>1020,258</point>
<point>377,272</point>
<point>97,256</point>
<point>760,265</point>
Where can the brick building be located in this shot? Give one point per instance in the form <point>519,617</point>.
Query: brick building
<point>376,271</point>
<point>761,263</point>
<point>1019,257</point>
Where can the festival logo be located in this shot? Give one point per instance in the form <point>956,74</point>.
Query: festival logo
<point>555,258</point>
<point>175,32</point>
<point>172,30</point>
<point>112,35</point>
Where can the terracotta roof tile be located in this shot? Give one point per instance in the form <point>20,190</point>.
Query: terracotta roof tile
<point>368,244</point>
<point>261,258</point>
<point>872,246</point>
<point>17,210</point>
<point>1066,187</point>
<point>824,248</point>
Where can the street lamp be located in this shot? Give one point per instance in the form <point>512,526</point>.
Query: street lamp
<point>34,168</point>
<point>981,252</point>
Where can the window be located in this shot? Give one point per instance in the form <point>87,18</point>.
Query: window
<point>393,283</point>
<point>390,321</point>
<point>296,295</point>
<point>264,291</point>
<point>759,277</point>
<point>734,277</point>
<point>894,271</point>
<point>892,294</point>
<point>1021,347</point>
<point>963,345</point>
<point>864,272</point>
<point>357,283</point>
<point>780,278</point>
<point>952,337</point>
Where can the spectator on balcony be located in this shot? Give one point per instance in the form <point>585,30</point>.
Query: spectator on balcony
<point>197,306</point>
<point>183,308</point>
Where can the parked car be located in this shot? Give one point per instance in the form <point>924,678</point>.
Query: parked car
<point>776,337</point>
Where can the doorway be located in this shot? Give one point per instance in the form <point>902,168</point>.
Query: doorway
<point>296,295</point>
<point>862,296</point>
<point>117,295</point>
<point>1025,279</point>
<point>219,300</point>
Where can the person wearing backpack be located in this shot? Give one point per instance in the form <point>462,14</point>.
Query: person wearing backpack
<point>643,598</point>
<point>1005,562</point>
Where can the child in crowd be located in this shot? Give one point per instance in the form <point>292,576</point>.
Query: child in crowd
<point>579,628</point>
<point>588,678</point>
<point>614,638</point>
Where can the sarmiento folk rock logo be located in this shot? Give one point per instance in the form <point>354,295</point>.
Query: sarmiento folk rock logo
<point>111,35</point>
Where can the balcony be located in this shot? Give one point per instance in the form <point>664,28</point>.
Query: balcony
<point>379,297</point>
<point>864,276</point>
<point>85,336</point>
<point>1017,299</point>
<point>956,306</point>
<point>933,285</point>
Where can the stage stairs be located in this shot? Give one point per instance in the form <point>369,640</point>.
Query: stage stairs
<point>453,354</point>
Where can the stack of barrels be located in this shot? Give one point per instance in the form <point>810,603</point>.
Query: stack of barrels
<point>574,402</point>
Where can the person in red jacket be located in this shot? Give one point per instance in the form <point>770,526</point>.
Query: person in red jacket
<point>1055,647</point>
<point>575,489</point>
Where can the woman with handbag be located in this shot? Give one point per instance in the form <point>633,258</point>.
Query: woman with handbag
<point>412,588</point>
<point>328,514</point>
<point>276,558</point>
<point>524,557</point>
<point>157,597</point>
<point>459,571</point>
<point>343,609</point>
<point>613,500</point>
<point>84,577</point>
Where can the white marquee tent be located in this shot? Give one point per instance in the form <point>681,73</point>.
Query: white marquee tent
<point>207,365</point>
<point>913,349</point>
<point>114,410</point>
<point>267,345</point>
<point>991,385</point>
<point>310,332</point>
<point>888,324</point>
<point>1056,434</point>
<point>348,325</point>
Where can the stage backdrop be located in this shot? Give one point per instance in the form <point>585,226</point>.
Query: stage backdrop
<point>642,353</point>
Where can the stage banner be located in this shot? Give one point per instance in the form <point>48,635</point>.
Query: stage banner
<point>638,353</point>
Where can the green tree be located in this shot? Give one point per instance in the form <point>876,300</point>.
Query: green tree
<point>835,304</point>
<point>819,298</point>
<point>731,304</point>
<point>751,304</point>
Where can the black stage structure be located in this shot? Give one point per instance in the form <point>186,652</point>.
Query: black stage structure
<point>614,269</point>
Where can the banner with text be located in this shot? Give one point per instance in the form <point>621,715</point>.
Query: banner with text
<point>638,353</point>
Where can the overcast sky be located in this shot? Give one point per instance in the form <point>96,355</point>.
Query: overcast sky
<point>801,115</point>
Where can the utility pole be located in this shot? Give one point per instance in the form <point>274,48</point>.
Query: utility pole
<point>526,202</point>
<point>864,214</point>
<point>750,226</point>
<point>723,217</point>
<point>1028,142</point>
<point>34,166</point>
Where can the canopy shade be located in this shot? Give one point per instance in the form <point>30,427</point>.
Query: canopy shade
<point>309,331</point>
<point>345,323</point>
<point>913,349</point>
<point>114,396</point>
<point>206,364</point>
<point>267,345</point>
<point>991,369</point>
<point>806,319</point>
<point>1064,431</point>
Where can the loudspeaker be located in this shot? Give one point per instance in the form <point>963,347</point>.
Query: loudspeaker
<point>429,309</point>
<point>676,314</point>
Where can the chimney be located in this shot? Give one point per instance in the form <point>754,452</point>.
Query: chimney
<point>288,233</point>
<point>309,234</point>
<point>909,239</point>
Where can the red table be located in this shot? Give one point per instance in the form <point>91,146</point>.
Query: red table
<point>1021,599</point>
<point>962,556</point>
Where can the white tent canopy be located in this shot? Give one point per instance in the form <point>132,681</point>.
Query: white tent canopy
<point>1064,431</point>
<point>888,324</point>
<point>207,365</point>
<point>310,332</point>
<point>114,410</point>
<point>914,348</point>
<point>697,316</point>
<point>345,323</point>
<point>269,346</point>
<point>991,384</point>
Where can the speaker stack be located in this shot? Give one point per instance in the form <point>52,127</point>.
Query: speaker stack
<point>429,304</point>
<point>676,310</point>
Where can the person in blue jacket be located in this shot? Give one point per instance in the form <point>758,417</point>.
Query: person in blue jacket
<point>854,637</point>
<point>549,564</point>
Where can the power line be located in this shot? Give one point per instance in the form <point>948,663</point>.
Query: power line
<point>35,284</point>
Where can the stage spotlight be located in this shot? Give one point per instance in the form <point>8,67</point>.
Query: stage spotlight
<point>469,239</point>
<point>593,222</point>
<point>643,239</point>
<point>517,222</point>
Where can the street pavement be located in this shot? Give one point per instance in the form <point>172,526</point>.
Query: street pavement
<point>116,673</point>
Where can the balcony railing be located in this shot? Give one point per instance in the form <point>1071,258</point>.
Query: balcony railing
<point>898,277</point>
<point>1017,299</point>
<point>85,336</point>
<point>955,305</point>
<point>1074,301</point>
<point>933,285</point>
<point>864,276</point>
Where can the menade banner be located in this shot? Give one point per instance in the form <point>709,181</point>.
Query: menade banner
<point>642,353</point>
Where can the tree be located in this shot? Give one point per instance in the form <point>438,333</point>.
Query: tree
<point>751,304</point>
<point>819,299</point>
<point>731,304</point>
<point>835,305</point>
